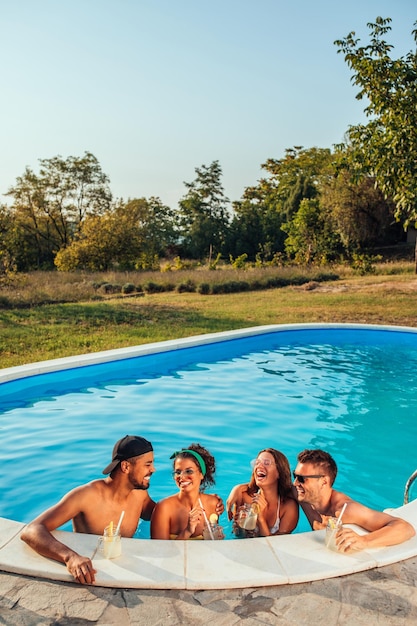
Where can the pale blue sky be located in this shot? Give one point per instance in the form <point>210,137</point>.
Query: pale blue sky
<point>155,88</point>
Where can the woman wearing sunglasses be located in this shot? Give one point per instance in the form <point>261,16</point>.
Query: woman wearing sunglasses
<point>270,491</point>
<point>184,515</point>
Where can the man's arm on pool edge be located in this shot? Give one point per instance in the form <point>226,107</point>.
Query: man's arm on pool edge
<point>37,534</point>
<point>383,529</point>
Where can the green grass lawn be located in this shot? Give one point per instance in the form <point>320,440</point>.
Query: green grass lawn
<point>57,330</point>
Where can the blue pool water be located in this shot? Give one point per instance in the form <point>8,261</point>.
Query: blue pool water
<point>352,392</point>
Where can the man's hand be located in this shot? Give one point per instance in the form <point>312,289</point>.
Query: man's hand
<point>81,568</point>
<point>348,541</point>
<point>219,505</point>
<point>323,524</point>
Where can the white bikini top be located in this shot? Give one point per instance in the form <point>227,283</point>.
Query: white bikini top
<point>275,527</point>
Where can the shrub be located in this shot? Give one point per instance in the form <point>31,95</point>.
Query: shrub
<point>204,289</point>
<point>240,262</point>
<point>364,263</point>
<point>110,288</point>
<point>188,286</point>
<point>128,288</point>
<point>152,287</point>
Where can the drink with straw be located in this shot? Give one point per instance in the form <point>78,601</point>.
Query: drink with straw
<point>112,546</point>
<point>246,521</point>
<point>331,530</point>
<point>333,525</point>
<point>213,530</point>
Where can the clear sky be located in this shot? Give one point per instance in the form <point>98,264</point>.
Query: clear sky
<point>156,88</point>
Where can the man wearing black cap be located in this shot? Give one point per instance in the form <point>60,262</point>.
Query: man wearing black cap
<point>94,505</point>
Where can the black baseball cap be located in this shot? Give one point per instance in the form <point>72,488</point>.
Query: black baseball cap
<point>126,448</point>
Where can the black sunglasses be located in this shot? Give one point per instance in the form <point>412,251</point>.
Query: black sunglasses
<point>301,478</point>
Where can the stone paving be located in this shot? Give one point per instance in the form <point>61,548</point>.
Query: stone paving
<point>383,596</point>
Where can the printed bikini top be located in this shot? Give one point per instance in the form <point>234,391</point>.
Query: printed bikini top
<point>275,527</point>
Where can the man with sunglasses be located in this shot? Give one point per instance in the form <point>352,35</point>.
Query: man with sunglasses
<point>313,480</point>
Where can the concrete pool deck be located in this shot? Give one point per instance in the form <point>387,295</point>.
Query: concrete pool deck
<point>385,596</point>
<point>290,580</point>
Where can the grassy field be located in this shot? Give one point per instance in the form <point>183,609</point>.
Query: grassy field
<point>31,331</point>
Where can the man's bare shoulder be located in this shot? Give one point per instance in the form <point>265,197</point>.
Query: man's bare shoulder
<point>98,487</point>
<point>339,499</point>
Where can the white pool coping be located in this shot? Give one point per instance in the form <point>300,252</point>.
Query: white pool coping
<point>193,565</point>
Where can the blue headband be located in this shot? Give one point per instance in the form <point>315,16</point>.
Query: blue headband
<point>196,455</point>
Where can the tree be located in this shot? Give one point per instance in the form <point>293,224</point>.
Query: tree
<point>129,236</point>
<point>386,147</point>
<point>310,237</point>
<point>257,225</point>
<point>203,213</point>
<point>51,206</point>
<point>296,177</point>
<point>357,211</point>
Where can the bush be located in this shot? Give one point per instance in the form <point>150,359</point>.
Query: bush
<point>128,288</point>
<point>188,286</point>
<point>204,289</point>
<point>109,288</point>
<point>152,287</point>
<point>240,262</point>
<point>364,263</point>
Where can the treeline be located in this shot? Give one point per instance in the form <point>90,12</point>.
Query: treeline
<point>312,206</point>
<point>302,211</point>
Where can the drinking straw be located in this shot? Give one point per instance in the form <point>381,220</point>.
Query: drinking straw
<point>123,514</point>
<point>206,520</point>
<point>339,519</point>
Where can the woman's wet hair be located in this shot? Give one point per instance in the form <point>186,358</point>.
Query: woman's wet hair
<point>284,484</point>
<point>208,459</point>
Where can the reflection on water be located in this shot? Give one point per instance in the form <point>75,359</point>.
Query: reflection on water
<point>350,392</point>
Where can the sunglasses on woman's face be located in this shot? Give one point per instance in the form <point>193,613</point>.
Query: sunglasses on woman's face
<point>261,461</point>
<point>301,479</point>
<point>186,472</point>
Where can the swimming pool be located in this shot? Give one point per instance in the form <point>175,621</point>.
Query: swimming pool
<point>350,389</point>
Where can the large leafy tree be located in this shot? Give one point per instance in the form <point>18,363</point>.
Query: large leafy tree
<point>276,198</point>
<point>296,177</point>
<point>385,147</point>
<point>204,213</point>
<point>310,236</point>
<point>132,235</point>
<point>256,226</point>
<point>357,212</point>
<point>50,206</point>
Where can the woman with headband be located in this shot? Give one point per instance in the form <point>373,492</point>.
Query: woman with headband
<point>184,515</point>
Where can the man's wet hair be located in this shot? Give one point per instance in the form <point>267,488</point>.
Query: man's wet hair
<point>321,458</point>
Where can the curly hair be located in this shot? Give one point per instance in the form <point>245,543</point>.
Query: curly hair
<point>284,484</point>
<point>322,459</point>
<point>208,459</point>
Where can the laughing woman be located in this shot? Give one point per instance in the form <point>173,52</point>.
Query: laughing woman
<point>183,515</point>
<point>270,490</point>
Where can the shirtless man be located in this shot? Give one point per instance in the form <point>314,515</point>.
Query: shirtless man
<point>314,477</point>
<point>92,506</point>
